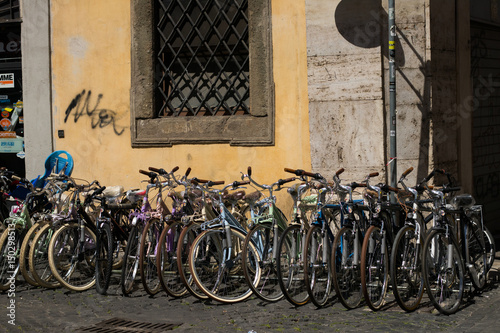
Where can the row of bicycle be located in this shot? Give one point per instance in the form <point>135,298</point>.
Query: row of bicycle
<point>222,243</point>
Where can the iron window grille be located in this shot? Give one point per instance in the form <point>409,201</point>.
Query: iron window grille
<point>202,58</point>
<point>9,10</point>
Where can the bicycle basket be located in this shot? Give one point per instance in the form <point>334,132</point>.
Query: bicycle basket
<point>463,201</point>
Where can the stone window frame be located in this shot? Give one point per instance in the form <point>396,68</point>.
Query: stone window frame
<point>256,129</point>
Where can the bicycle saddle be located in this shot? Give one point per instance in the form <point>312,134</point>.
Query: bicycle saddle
<point>253,197</point>
<point>235,196</point>
<point>113,191</point>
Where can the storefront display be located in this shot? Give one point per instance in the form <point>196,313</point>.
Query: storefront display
<point>11,96</point>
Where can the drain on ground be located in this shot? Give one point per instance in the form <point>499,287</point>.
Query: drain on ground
<point>119,325</point>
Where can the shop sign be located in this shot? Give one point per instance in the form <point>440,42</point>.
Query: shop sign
<point>7,80</point>
<point>11,145</point>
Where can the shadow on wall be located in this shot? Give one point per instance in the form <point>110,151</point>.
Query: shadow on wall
<point>363,23</point>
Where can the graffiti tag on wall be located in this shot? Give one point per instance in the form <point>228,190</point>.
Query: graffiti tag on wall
<point>487,185</point>
<point>80,106</point>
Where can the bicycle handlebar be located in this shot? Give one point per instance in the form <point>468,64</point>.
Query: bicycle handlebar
<point>237,183</point>
<point>99,190</point>
<point>208,182</point>
<point>150,174</point>
<point>165,173</point>
<point>279,183</point>
<point>451,189</point>
<point>388,188</point>
<point>407,172</point>
<point>159,171</point>
<point>355,185</point>
<point>433,172</point>
<point>299,172</point>
<point>282,182</point>
<point>20,179</point>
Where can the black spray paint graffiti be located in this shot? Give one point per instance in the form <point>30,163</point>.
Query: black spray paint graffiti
<point>487,185</point>
<point>99,117</point>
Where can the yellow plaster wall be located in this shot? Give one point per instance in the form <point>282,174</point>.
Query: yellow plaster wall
<point>91,57</point>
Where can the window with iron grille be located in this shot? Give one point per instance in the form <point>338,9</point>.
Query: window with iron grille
<point>9,10</point>
<point>201,72</point>
<point>202,57</point>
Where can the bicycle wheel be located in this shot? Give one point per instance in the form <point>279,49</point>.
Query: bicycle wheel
<point>266,239</point>
<point>443,271</point>
<point>130,267</point>
<point>291,265</point>
<point>24,253</point>
<point>10,244</point>
<point>166,261</point>
<point>489,243</point>
<point>122,217</point>
<point>374,268</point>
<point>477,254</point>
<point>317,266</point>
<point>147,256</point>
<point>186,239</point>
<point>72,260</point>
<point>346,270</point>
<point>217,268</point>
<point>39,258</point>
<point>104,258</point>
<point>406,268</point>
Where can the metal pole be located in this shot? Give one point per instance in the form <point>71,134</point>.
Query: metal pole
<point>392,97</point>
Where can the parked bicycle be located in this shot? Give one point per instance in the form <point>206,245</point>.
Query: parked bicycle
<point>112,234</point>
<point>454,249</point>
<point>215,257</point>
<point>72,247</point>
<point>292,242</point>
<point>267,224</point>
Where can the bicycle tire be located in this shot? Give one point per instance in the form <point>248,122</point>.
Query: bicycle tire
<point>39,258</point>
<point>10,243</point>
<point>166,261</point>
<point>480,251</point>
<point>346,268</point>
<point>317,266</point>
<point>147,256</point>
<point>446,297</point>
<point>265,238</point>
<point>374,268</point>
<point>490,248</point>
<point>220,280</point>
<point>24,253</point>
<point>73,268</point>
<point>406,269</point>
<point>130,267</point>
<point>186,239</point>
<point>291,266</point>
<point>104,258</point>
<point>122,218</point>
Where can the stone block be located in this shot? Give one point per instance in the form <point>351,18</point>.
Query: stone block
<point>342,77</point>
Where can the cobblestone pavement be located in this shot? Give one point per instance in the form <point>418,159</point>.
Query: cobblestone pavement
<point>40,310</point>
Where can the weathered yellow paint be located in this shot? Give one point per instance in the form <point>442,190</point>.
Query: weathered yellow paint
<point>91,53</point>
